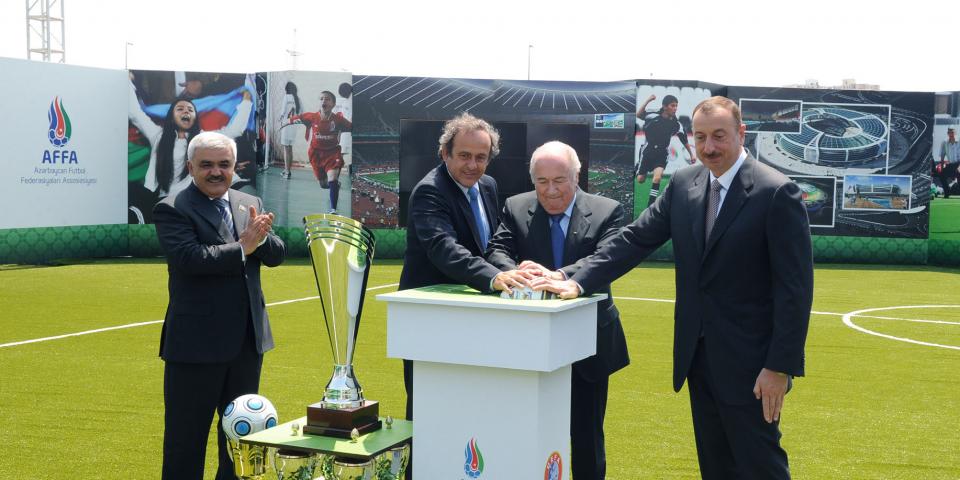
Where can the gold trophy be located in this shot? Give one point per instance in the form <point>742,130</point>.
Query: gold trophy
<point>333,468</point>
<point>294,465</point>
<point>249,461</point>
<point>341,250</point>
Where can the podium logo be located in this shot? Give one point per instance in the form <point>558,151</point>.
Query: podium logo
<point>60,128</point>
<point>554,468</point>
<point>473,465</point>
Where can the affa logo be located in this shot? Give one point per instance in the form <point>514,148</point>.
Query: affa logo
<point>554,468</point>
<point>473,465</point>
<point>59,135</point>
<point>60,128</point>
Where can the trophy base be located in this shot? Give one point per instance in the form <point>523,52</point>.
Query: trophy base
<point>340,422</point>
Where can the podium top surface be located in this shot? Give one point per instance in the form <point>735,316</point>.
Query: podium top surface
<point>367,446</point>
<point>464,296</point>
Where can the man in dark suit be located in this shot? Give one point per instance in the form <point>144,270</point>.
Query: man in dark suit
<point>549,231</point>
<point>744,265</point>
<point>452,213</point>
<point>216,328</point>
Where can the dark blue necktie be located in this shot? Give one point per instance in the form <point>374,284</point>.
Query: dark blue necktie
<point>556,239</point>
<point>474,193</point>
<point>224,207</point>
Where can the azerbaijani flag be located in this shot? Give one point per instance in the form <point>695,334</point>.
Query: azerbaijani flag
<point>214,111</point>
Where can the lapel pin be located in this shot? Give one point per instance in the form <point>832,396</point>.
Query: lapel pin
<point>242,208</point>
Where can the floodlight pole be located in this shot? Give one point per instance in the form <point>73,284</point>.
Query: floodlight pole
<point>41,24</point>
<point>529,47</point>
<point>126,51</point>
<point>293,52</point>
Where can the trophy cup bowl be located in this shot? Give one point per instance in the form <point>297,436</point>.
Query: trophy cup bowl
<point>392,464</point>
<point>341,251</point>
<point>294,465</point>
<point>249,461</point>
<point>333,468</point>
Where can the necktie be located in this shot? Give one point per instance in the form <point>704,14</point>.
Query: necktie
<point>556,239</point>
<point>474,193</point>
<point>224,206</point>
<point>713,206</point>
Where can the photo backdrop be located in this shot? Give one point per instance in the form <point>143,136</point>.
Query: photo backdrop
<point>883,139</point>
<point>158,132</point>
<point>862,158</point>
<point>301,194</point>
<point>381,103</point>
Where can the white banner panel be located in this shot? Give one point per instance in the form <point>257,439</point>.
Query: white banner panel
<point>64,132</point>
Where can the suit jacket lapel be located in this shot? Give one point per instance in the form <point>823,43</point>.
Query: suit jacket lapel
<point>241,217</point>
<point>736,197</point>
<point>697,196</point>
<point>538,229</point>
<point>208,211</point>
<point>579,225</point>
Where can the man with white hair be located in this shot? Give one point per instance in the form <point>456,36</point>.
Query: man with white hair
<point>216,328</point>
<point>548,231</point>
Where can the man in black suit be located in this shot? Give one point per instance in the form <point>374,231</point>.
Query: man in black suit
<point>452,213</point>
<point>216,329</point>
<point>744,265</point>
<point>549,231</point>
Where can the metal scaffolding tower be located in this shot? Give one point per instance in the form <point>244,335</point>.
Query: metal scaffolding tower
<point>45,32</point>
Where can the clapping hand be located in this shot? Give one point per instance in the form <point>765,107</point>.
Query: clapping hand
<point>256,231</point>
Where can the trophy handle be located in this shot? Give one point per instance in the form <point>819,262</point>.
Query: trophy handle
<point>278,464</point>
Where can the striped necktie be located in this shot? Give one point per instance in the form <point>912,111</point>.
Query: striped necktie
<point>224,207</point>
<point>713,206</point>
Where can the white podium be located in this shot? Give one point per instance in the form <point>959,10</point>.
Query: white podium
<point>491,379</point>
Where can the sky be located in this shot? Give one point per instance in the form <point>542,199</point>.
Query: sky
<point>900,46</point>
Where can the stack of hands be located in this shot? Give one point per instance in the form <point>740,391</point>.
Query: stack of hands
<point>537,277</point>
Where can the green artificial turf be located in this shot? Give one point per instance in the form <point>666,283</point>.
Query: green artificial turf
<point>945,218</point>
<point>91,406</point>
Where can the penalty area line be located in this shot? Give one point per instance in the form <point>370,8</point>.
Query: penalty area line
<point>154,322</point>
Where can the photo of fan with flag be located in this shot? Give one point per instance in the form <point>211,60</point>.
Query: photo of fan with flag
<point>166,109</point>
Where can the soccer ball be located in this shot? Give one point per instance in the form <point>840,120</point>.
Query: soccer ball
<point>248,414</point>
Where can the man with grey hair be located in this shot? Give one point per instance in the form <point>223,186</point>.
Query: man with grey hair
<point>547,232</point>
<point>216,328</point>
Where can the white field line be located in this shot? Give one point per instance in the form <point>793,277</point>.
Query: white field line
<point>814,312</point>
<point>845,316</point>
<point>847,320</point>
<point>152,322</point>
